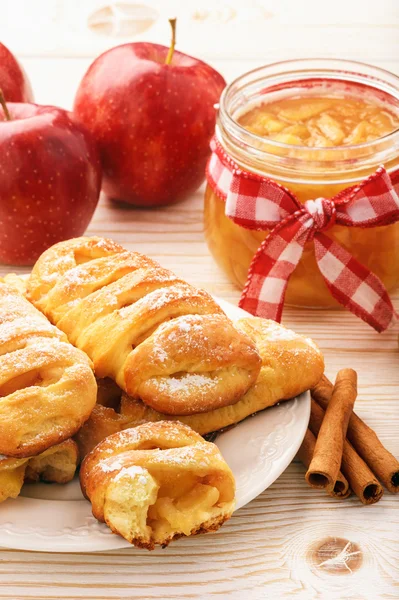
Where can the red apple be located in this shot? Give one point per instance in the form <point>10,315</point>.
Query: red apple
<point>50,180</point>
<point>14,82</point>
<point>152,120</point>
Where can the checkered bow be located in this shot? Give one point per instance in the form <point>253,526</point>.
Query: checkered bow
<point>259,203</point>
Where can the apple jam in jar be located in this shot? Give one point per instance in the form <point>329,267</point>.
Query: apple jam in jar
<point>317,127</point>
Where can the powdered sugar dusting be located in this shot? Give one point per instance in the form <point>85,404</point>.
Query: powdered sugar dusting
<point>200,454</point>
<point>184,326</point>
<point>186,330</point>
<point>134,471</point>
<point>25,326</point>
<point>57,270</point>
<point>159,352</point>
<point>161,297</point>
<point>281,333</point>
<point>108,467</point>
<point>186,381</point>
<point>106,244</point>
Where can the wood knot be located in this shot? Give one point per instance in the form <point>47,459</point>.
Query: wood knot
<point>336,556</point>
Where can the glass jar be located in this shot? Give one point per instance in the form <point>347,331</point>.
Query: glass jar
<point>309,172</point>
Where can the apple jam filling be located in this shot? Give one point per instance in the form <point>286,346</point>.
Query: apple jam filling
<point>317,121</point>
<point>317,137</point>
<point>152,509</point>
<point>171,516</point>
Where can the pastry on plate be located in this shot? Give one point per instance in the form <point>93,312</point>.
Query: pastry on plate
<point>291,364</point>
<point>56,464</point>
<point>159,338</point>
<point>12,475</point>
<point>105,421</point>
<point>158,482</point>
<point>47,387</point>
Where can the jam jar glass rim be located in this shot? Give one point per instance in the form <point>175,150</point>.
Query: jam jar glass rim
<point>245,146</point>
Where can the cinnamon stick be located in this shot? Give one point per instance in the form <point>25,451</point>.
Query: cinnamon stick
<point>361,480</point>
<point>365,441</point>
<point>305,453</point>
<point>324,468</point>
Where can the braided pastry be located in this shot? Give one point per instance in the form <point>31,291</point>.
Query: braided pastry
<point>56,464</point>
<point>47,387</point>
<point>157,482</point>
<point>291,364</point>
<point>18,282</point>
<point>159,338</point>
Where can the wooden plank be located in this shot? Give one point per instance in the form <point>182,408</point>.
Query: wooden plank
<point>271,541</point>
<point>268,546</point>
<point>250,29</point>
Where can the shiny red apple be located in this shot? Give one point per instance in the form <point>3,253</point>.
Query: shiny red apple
<point>152,116</point>
<point>14,82</point>
<point>50,180</point>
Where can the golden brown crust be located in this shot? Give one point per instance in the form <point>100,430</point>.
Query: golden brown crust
<point>148,544</point>
<point>291,364</point>
<point>157,482</point>
<point>57,464</point>
<point>192,363</point>
<point>160,435</point>
<point>103,421</point>
<point>47,387</point>
<point>143,327</point>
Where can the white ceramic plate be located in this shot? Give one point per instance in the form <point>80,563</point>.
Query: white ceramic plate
<point>56,518</point>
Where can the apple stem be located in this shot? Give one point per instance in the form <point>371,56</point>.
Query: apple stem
<point>4,106</point>
<point>173,42</point>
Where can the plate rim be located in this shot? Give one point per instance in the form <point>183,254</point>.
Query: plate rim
<point>290,453</point>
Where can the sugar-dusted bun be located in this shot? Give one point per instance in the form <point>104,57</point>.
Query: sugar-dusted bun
<point>47,387</point>
<point>157,482</point>
<point>291,364</point>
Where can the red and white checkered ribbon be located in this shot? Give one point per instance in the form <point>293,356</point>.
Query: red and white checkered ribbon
<point>259,203</point>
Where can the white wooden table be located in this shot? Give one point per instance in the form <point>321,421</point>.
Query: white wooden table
<point>274,547</point>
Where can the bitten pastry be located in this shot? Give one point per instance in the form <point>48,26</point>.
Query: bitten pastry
<point>159,338</point>
<point>291,364</point>
<point>57,464</point>
<point>157,482</point>
<point>47,387</point>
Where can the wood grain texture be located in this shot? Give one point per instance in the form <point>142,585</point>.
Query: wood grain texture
<point>292,541</point>
<point>268,546</point>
